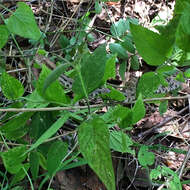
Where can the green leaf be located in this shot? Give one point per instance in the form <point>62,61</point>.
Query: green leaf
<point>113,95</point>
<point>20,175</point>
<point>40,122</point>
<point>54,75</point>
<point>50,95</point>
<point>165,69</point>
<point>119,50</point>
<point>173,182</point>
<point>13,158</point>
<point>156,173</point>
<point>121,142</point>
<point>182,39</point>
<point>180,77</point>
<point>98,7</point>
<point>122,69</point>
<point>110,70</point>
<point>4,35</point>
<point>90,76</point>
<point>94,145</point>
<point>187,73</point>
<point>145,158</point>
<point>34,100</point>
<point>148,83</point>
<point>16,123</point>
<point>138,110</point>
<point>128,44</point>
<point>34,164</point>
<point>180,5</point>
<point>22,22</point>
<point>135,62</point>
<point>51,131</point>
<point>123,116</point>
<point>163,107</point>
<point>119,28</point>
<point>56,153</point>
<point>11,87</point>
<point>150,45</point>
<point>185,18</point>
<point>63,41</point>
<point>16,134</point>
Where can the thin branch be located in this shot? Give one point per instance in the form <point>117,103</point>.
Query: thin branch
<point>86,107</point>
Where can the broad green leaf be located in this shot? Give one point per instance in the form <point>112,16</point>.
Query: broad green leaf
<point>13,158</point>
<point>56,153</point>
<point>175,183</point>
<point>108,116</point>
<point>145,158</point>
<point>122,69</point>
<point>90,76</point>
<point>119,50</point>
<point>4,35</point>
<point>34,164</point>
<point>110,70</point>
<point>156,173</point>
<point>169,30</point>
<point>135,62</point>
<point>185,19</point>
<point>121,142</point>
<point>128,44</point>
<point>34,100</point>
<point>20,175</point>
<point>54,92</point>
<point>51,131</point>
<point>16,123</point>
<point>113,95</point>
<point>138,110</point>
<point>180,77</point>
<point>123,116</point>
<point>183,33</point>
<point>165,69</point>
<point>16,134</point>
<point>94,145</point>
<point>98,7</point>
<point>121,27</point>
<point>180,5</point>
<point>148,83</point>
<point>187,73</point>
<point>11,87</point>
<point>22,22</point>
<point>153,47</point>
<point>40,122</point>
<point>182,39</point>
<point>163,107</point>
<point>54,75</point>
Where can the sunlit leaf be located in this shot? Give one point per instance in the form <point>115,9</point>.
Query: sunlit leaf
<point>150,45</point>
<point>4,34</point>
<point>22,22</point>
<point>94,146</point>
<point>11,87</point>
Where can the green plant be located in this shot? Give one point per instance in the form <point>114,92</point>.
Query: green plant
<point>96,135</point>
